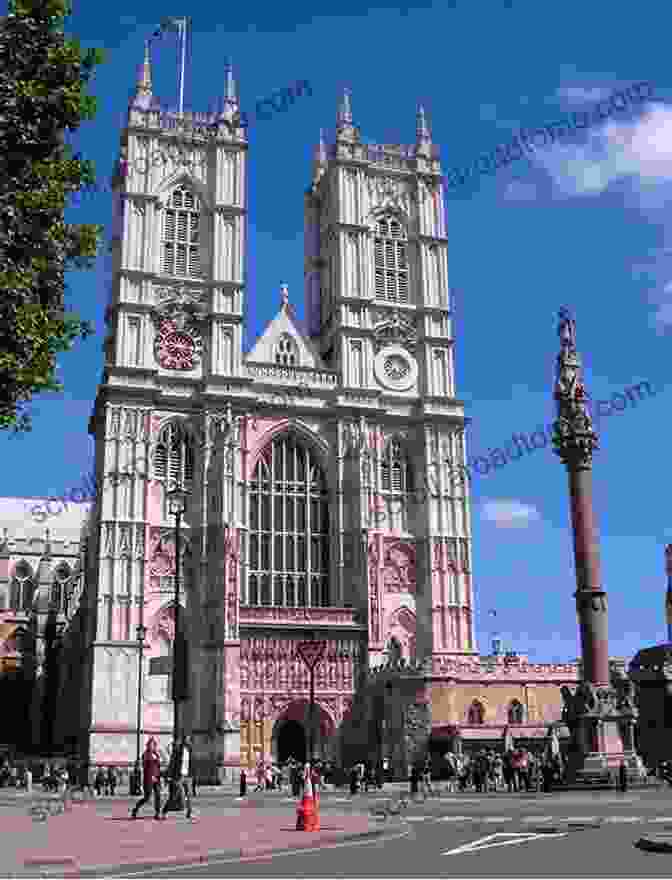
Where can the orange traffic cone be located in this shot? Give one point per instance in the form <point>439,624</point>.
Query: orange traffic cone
<point>307,817</point>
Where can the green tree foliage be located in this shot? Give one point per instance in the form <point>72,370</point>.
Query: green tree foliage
<point>43,79</point>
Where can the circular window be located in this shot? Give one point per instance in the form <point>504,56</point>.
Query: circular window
<point>395,368</point>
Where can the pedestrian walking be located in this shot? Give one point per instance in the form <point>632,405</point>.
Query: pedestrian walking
<point>268,778</point>
<point>179,772</point>
<point>111,780</point>
<point>151,779</point>
<point>243,782</point>
<point>29,780</point>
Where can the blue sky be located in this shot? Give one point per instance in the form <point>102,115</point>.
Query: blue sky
<point>583,225</point>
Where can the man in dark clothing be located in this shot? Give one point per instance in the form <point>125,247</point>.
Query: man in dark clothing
<point>623,777</point>
<point>179,773</point>
<point>111,780</point>
<point>151,779</point>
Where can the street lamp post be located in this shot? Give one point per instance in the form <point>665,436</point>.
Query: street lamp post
<point>141,633</point>
<point>312,653</point>
<point>177,505</point>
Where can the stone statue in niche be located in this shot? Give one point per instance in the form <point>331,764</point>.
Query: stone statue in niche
<point>399,569</point>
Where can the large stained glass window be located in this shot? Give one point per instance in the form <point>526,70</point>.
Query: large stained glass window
<point>288,528</point>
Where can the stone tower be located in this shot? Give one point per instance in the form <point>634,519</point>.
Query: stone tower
<point>378,304</point>
<point>173,357</point>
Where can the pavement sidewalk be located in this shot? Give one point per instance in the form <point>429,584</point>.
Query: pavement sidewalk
<point>88,838</point>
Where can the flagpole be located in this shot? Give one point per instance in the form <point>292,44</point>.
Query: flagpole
<point>183,31</point>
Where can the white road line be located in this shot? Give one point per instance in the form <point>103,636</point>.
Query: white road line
<point>622,818</point>
<point>497,819</point>
<point>536,818</point>
<point>504,840</point>
<point>417,818</point>
<point>455,818</point>
<point>662,819</point>
<point>580,819</point>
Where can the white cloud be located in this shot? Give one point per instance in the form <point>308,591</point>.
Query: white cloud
<point>636,151</point>
<point>509,514</point>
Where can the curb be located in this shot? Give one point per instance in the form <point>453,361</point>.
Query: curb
<point>78,870</point>
<point>660,843</point>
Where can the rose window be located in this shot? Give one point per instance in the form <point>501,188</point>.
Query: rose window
<point>396,367</point>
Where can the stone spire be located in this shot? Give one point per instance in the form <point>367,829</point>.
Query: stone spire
<point>230,111</point>
<point>319,159</point>
<point>668,595</point>
<point>230,91</point>
<point>574,438</point>
<point>143,97</point>
<point>423,137</point>
<point>345,130</point>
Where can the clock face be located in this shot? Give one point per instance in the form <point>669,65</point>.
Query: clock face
<point>395,368</point>
<point>175,349</point>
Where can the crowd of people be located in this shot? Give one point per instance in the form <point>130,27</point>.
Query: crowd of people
<point>269,776</point>
<point>487,770</point>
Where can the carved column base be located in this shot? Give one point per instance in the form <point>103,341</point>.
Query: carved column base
<point>597,749</point>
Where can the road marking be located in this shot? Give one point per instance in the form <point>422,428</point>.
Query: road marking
<point>580,819</point>
<point>491,841</point>
<point>417,818</point>
<point>622,818</point>
<point>455,818</point>
<point>662,819</point>
<point>536,818</point>
<point>498,819</point>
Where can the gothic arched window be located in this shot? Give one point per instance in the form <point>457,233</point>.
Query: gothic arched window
<point>174,457</point>
<point>180,242</point>
<point>286,352</point>
<point>476,714</point>
<point>396,471</point>
<point>390,248</point>
<point>516,712</point>
<point>288,528</point>
<point>22,588</point>
<point>59,586</point>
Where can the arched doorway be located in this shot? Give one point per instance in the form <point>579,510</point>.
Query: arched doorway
<point>291,732</point>
<point>290,741</point>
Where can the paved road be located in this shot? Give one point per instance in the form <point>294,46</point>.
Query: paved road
<point>557,835</point>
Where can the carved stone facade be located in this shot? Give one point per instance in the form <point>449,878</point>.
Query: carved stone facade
<point>302,459</point>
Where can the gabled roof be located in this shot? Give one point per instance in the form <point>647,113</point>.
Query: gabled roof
<point>286,323</point>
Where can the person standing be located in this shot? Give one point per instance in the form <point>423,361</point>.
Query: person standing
<point>111,780</point>
<point>427,777</point>
<point>179,773</point>
<point>151,779</point>
<point>243,782</point>
<point>261,776</point>
<point>623,777</point>
<point>29,780</point>
<point>99,783</point>
<point>353,781</point>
